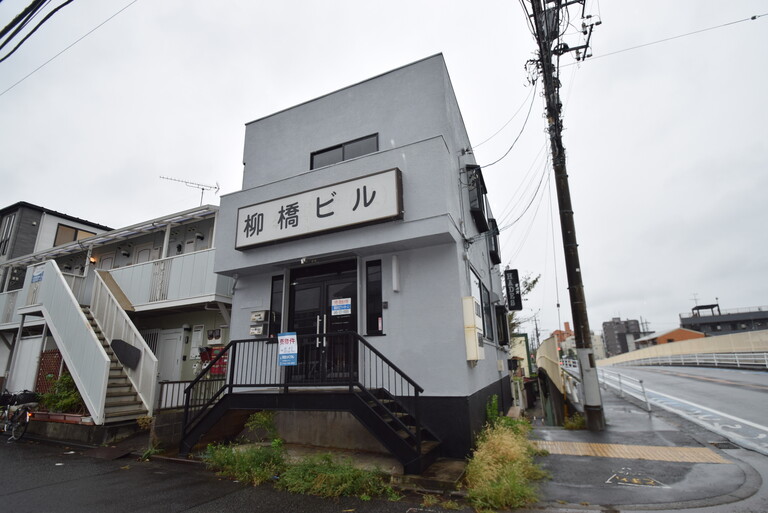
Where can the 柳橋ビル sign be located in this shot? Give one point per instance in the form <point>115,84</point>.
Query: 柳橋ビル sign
<point>372,198</point>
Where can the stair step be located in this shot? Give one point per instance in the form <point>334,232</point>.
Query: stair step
<point>124,416</point>
<point>119,388</point>
<point>121,408</point>
<point>428,445</point>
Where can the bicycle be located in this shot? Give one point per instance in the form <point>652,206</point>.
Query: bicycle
<point>16,412</point>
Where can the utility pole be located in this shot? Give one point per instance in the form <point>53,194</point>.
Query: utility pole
<point>546,20</point>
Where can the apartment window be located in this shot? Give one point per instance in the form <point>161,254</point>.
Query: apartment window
<point>276,306</point>
<point>345,151</point>
<point>480,292</point>
<point>374,318</point>
<point>66,234</point>
<point>5,233</point>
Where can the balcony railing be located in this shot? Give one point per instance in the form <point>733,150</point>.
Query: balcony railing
<point>173,279</point>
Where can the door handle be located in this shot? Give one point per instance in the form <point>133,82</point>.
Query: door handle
<point>325,330</point>
<point>317,332</point>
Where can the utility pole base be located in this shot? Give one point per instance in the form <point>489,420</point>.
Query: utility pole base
<point>595,417</point>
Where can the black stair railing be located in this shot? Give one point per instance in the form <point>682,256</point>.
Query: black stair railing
<point>329,360</point>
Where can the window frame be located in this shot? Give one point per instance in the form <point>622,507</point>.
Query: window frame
<point>79,233</point>
<point>5,232</point>
<point>343,147</point>
<point>374,304</point>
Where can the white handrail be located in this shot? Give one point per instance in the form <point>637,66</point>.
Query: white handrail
<point>624,385</point>
<point>115,324</point>
<point>86,359</point>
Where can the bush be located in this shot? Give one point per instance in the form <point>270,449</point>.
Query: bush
<point>501,473</point>
<point>63,397</point>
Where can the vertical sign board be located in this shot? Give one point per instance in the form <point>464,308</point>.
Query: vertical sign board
<point>514,297</point>
<point>288,349</point>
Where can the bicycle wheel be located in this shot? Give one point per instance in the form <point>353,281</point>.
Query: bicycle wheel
<point>19,423</point>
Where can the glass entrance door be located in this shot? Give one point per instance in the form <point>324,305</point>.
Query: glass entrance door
<point>323,303</point>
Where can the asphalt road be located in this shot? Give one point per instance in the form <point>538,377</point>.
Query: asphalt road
<point>729,402</point>
<point>42,478</point>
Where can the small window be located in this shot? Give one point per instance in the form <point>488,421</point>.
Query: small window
<point>65,234</point>
<point>374,319</point>
<point>480,292</point>
<point>346,151</point>
<point>276,306</point>
<point>5,233</point>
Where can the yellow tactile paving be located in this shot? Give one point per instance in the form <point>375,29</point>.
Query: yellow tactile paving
<point>633,452</point>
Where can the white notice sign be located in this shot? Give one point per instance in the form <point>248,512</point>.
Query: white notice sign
<point>288,349</point>
<point>341,306</point>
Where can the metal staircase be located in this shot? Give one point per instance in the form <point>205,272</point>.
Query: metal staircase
<point>383,398</point>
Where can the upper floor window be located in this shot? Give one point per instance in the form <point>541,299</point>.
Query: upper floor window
<point>5,233</point>
<point>345,151</point>
<point>66,234</point>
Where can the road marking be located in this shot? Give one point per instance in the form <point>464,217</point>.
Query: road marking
<point>715,412</point>
<point>632,452</point>
<point>713,380</point>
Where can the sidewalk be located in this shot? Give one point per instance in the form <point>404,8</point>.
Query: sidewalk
<point>639,462</point>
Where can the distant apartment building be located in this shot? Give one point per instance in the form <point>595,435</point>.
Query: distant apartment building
<point>711,320</point>
<point>619,336</point>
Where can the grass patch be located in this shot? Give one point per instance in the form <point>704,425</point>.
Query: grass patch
<point>253,465</point>
<point>502,473</point>
<point>321,475</point>
<point>313,475</point>
<point>575,421</point>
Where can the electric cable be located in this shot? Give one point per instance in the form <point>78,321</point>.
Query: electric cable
<point>525,123</point>
<point>67,48</point>
<point>21,20</point>
<point>47,17</point>
<point>505,124</point>
<point>751,18</point>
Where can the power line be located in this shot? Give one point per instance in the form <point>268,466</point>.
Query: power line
<point>525,123</point>
<point>751,18</point>
<point>68,47</point>
<point>47,17</point>
<point>475,146</point>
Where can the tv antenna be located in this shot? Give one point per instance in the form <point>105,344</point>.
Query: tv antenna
<point>196,185</point>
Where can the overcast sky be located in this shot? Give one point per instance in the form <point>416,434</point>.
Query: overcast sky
<point>666,144</point>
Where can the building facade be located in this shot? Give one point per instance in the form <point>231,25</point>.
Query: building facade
<point>619,336</point>
<point>148,286</point>
<point>363,212</point>
<point>711,320</point>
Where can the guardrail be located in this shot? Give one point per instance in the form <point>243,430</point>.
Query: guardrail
<point>624,385</point>
<point>729,360</point>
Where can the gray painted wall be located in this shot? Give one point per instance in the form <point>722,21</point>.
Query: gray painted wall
<point>414,111</point>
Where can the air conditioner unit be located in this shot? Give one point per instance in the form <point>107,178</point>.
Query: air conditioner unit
<point>473,328</point>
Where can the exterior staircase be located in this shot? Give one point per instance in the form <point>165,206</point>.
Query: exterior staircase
<point>122,401</point>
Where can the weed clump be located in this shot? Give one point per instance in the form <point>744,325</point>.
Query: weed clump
<point>321,475</point>
<point>253,465</point>
<point>501,473</point>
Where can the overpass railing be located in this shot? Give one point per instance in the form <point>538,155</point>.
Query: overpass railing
<point>729,360</point>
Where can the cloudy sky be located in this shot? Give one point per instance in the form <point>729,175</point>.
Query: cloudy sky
<point>666,143</point>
